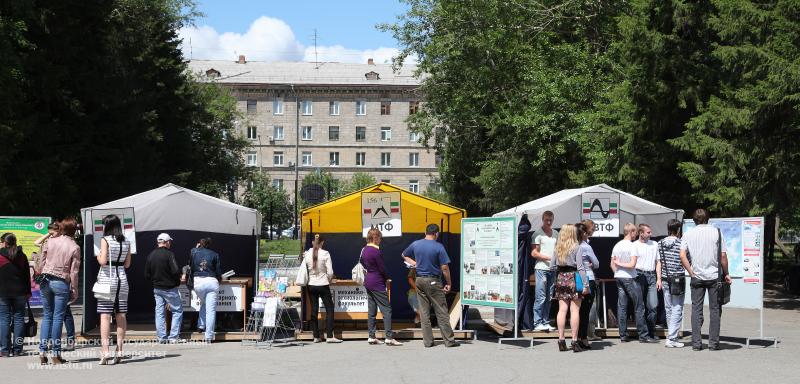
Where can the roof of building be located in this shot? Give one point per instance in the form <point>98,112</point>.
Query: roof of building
<point>304,73</point>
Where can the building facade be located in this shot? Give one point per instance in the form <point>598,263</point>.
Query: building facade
<point>338,117</point>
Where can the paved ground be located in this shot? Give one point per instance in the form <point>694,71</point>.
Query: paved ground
<point>476,362</point>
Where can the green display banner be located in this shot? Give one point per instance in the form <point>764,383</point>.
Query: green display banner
<point>27,230</point>
<point>488,261</point>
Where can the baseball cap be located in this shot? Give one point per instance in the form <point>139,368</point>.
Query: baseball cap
<point>163,237</point>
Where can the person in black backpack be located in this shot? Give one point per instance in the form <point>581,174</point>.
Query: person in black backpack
<point>15,288</point>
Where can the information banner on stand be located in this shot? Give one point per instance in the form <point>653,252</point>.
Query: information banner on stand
<point>27,230</point>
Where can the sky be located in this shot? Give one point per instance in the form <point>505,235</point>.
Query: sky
<point>269,30</point>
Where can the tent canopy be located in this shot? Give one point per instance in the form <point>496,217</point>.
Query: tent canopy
<point>177,208</point>
<point>566,206</point>
<point>343,214</point>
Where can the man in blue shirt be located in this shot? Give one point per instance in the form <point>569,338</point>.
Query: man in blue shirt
<point>431,261</point>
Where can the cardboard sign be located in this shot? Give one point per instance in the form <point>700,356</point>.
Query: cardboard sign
<point>381,210</point>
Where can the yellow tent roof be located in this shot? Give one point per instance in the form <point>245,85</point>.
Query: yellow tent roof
<point>343,215</point>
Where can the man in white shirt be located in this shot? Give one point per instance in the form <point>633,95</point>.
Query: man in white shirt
<point>544,244</point>
<point>623,263</point>
<point>647,261</point>
<point>706,247</point>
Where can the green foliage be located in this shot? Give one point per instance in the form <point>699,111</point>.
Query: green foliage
<point>284,246</point>
<point>358,181</point>
<point>97,104</point>
<point>331,186</point>
<point>273,203</point>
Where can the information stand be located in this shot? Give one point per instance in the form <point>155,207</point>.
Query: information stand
<point>269,316</point>
<point>489,267</point>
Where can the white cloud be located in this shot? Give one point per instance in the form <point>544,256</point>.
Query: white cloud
<point>270,39</point>
<point>267,39</point>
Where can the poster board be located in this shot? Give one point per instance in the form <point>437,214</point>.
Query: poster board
<point>602,208</point>
<point>127,219</point>
<point>349,301</point>
<point>381,210</point>
<point>744,245</point>
<point>230,297</point>
<point>488,261</point>
<point>27,229</point>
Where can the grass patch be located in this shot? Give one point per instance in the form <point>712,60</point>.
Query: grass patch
<point>280,246</point>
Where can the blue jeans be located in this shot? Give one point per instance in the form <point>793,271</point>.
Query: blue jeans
<point>55,297</point>
<point>673,305</point>
<point>647,281</point>
<point>206,289</point>
<point>545,283</point>
<point>69,325</point>
<point>12,308</point>
<point>629,288</point>
<point>171,297</point>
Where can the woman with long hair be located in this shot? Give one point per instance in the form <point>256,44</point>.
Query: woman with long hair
<point>60,262</point>
<point>320,275</point>
<point>207,273</point>
<point>567,262</point>
<point>15,288</point>
<point>375,283</point>
<point>114,259</point>
<point>589,259</point>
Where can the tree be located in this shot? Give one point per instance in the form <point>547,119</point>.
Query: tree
<point>330,186</point>
<point>272,202</point>
<point>358,181</point>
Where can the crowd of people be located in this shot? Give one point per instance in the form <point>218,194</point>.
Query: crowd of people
<point>56,269</point>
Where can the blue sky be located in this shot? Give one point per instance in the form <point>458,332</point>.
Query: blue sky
<point>282,30</point>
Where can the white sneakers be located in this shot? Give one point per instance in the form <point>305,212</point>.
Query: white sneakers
<point>392,342</point>
<point>372,340</point>
<point>673,344</point>
<point>332,340</point>
<point>543,328</point>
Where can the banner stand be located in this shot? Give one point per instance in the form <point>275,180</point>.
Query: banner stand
<point>489,267</point>
<point>761,323</point>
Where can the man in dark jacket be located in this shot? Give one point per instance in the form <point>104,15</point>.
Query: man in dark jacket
<point>162,270</point>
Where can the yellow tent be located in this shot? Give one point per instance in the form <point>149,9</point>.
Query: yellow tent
<point>340,223</point>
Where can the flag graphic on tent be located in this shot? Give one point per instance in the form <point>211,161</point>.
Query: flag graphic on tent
<point>394,207</point>
<point>596,208</point>
<point>127,224</point>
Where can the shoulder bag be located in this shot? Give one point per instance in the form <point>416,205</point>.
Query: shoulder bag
<point>102,290</point>
<point>302,274</point>
<point>30,324</point>
<point>359,273</point>
<point>723,288</point>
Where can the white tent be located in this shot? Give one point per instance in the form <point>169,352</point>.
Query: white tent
<point>566,205</point>
<point>177,208</point>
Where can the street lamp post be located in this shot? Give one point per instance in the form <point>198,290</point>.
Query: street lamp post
<point>296,231</point>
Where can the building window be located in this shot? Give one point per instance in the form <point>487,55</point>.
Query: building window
<point>252,133</point>
<point>413,159</point>
<point>252,159</point>
<point>361,107</point>
<point>361,159</point>
<point>387,181</point>
<point>277,183</point>
<point>438,160</point>
<point>361,133</point>
<point>277,158</point>
<point>414,137</point>
<point>307,133</point>
<point>434,186</point>
<point>333,108</point>
<point>413,186</point>
<point>308,108</point>
<point>251,107</point>
<point>386,133</point>
<point>307,160</point>
<point>333,133</point>
<point>413,107</point>
<point>386,107</point>
<point>334,159</point>
<point>386,159</point>
<point>277,106</point>
<point>277,132</point>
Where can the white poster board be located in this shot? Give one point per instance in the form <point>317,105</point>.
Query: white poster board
<point>126,218</point>
<point>230,298</point>
<point>381,210</point>
<point>488,262</point>
<point>348,299</point>
<point>602,208</point>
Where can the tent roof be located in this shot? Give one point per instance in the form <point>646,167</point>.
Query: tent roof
<point>347,209</point>
<point>171,207</point>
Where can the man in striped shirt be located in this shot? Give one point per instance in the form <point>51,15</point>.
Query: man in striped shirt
<point>670,256</point>
<point>646,252</point>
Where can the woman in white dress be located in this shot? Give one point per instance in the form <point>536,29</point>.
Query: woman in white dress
<point>114,259</point>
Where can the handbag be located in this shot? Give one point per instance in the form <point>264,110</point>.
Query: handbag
<point>30,324</point>
<point>723,288</point>
<point>677,284</point>
<point>102,291</point>
<point>359,273</point>
<point>578,283</point>
<point>302,275</point>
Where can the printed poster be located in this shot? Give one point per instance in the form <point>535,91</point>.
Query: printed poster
<point>27,230</point>
<point>603,209</point>
<point>744,239</point>
<point>381,210</point>
<point>488,254</point>
<point>127,219</point>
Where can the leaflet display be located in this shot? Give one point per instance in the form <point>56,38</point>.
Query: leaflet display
<point>488,268</point>
<point>743,245</point>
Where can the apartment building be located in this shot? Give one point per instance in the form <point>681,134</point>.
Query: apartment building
<point>339,117</point>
